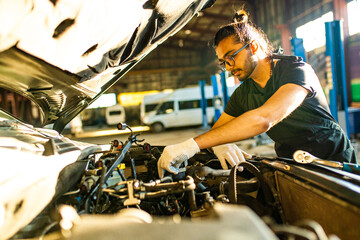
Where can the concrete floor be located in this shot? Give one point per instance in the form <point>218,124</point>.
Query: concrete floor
<point>173,136</point>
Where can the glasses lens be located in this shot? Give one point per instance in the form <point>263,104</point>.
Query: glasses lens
<point>222,66</point>
<point>229,61</point>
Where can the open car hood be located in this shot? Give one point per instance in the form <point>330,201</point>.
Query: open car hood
<point>64,54</point>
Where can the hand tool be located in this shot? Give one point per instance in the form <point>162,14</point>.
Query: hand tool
<point>304,157</point>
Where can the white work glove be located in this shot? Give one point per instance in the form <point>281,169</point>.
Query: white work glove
<point>231,153</point>
<point>174,155</point>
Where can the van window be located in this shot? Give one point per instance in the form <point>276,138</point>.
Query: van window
<point>112,113</point>
<point>189,104</point>
<point>150,107</point>
<point>194,104</point>
<point>166,107</point>
<point>209,102</point>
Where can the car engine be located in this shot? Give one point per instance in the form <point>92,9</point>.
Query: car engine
<point>116,192</point>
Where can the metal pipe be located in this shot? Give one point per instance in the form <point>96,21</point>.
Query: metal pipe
<point>191,200</point>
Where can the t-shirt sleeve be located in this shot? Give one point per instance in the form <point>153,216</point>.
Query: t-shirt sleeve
<point>233,107</point>
<point>300,74</point>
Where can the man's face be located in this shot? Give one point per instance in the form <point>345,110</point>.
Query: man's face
<point>243,66</point>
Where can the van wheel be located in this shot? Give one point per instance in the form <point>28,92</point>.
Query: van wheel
<point>157,127</point>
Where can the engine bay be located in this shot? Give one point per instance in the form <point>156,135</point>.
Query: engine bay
<point>104,193</point>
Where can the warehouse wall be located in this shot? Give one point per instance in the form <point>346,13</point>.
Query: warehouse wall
<point>168,69</point>
<point>269,14</point>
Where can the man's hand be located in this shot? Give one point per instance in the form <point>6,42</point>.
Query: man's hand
<point>230,153</point>
<point>174,155</point>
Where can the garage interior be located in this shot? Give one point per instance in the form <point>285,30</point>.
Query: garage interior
<point>188,57</point>
<point>99,176</point>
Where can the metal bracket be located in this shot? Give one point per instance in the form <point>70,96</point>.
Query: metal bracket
<point>132,200</point>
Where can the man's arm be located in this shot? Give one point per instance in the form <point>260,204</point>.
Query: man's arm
<point>254,122</point>
<point>224,118</point>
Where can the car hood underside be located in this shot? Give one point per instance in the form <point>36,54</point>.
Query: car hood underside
<point>63,55</point>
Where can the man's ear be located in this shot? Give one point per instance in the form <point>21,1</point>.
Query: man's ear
<point>254,46</point>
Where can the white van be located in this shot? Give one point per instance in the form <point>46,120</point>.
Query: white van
<point>150,102</point>
<point>114,114</point>
<point>181,108</point>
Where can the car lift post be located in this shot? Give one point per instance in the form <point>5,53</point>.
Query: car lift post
<point>335,55</point>
<point>224,88</point>
<point>203,103</point>
<point>216,99</point>
<point>298,47</point>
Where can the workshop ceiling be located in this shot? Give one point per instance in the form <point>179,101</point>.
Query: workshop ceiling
<point>184,58</point>
<point>188,57</point>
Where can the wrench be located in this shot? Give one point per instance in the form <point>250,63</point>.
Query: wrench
<point>304,157</point>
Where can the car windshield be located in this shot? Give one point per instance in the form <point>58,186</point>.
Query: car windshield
<point>4,116</point>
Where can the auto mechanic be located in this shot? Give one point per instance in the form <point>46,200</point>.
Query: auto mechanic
<point>280,95</point>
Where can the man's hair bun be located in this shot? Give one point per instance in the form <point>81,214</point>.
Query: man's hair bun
<point>243,30</point>
<point>240,17</point>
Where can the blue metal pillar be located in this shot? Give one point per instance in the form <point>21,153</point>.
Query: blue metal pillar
<point>298,47</point>
<point>203,103</point>
<point>338,95</point>
<point>224,88</point>
<point>329,59</point>
<point>217,101</point>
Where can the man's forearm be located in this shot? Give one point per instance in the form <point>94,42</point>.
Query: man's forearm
<point>224,118</point>
<point>257,121</point>
<point>245,126</point>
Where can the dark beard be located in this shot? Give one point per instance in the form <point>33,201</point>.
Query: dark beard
<point>247,70</point>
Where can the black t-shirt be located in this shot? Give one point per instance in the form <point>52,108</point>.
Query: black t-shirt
<point>310,127</point>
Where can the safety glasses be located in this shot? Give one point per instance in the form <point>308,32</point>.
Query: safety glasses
<point>229,60</point>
